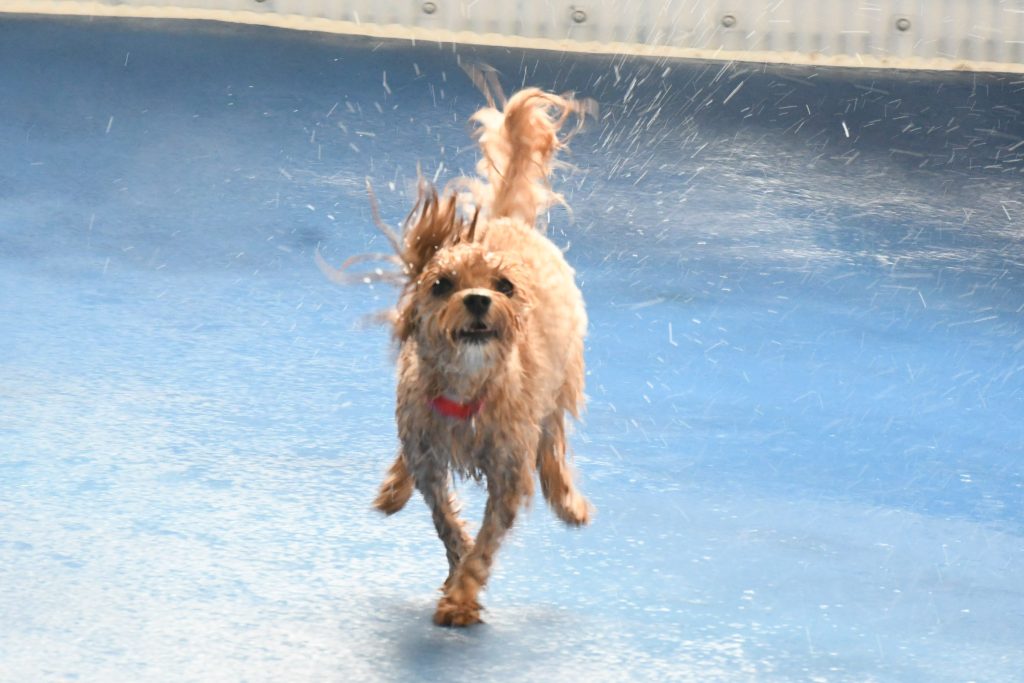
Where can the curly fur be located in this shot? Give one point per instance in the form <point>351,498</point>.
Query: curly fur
<point>489,316</point>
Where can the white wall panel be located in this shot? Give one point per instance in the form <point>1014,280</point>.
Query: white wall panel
<point>910,33</point>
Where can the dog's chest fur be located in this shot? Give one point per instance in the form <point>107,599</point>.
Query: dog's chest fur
<point>462,445</point>
<point>467,447</point>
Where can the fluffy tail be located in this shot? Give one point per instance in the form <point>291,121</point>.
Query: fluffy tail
<point>519,144</point>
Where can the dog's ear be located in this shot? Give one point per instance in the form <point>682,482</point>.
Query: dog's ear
<point>404,321</point>
<point>432,225</point>
<point>471,232</point>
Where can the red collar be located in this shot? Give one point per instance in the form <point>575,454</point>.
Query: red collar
<point>460,411</point>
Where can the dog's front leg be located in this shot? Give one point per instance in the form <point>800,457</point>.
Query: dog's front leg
<point>444,509</point>
<point>506,490</point>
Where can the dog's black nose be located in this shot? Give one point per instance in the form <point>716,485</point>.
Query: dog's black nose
<point>477,304</point>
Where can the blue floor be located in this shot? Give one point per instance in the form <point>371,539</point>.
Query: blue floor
<point>805,435</point>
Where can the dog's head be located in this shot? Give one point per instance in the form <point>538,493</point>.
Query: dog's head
<point>463,304</point>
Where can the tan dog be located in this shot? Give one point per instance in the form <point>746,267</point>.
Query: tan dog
<point>490,325</point>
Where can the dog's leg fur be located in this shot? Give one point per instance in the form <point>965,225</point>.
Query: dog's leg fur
<point>396,488</point>
<point>506,490</point>
<point>556,480</point>
<point>444,510</point>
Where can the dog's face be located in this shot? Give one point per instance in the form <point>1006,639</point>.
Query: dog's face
<point>467,307</point>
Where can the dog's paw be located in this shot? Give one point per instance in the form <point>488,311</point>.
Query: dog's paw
<point>575,510</point>
<point>452,613</point>
<point>391,499</point>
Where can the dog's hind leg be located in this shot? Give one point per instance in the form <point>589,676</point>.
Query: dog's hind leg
<point>396,489</point>
<point>556,475</point>
<point>506,490</point>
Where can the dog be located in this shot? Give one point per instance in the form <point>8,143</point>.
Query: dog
<point>490,328</point>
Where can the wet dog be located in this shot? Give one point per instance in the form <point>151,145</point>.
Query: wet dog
<point>490,326</point>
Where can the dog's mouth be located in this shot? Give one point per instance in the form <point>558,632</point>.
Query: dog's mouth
<point>476,333</point>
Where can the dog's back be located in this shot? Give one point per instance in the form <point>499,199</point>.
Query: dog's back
<point>519,145</point>
<point>558,322</point>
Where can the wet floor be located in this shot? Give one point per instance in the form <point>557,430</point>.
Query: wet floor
<point>806,367</point>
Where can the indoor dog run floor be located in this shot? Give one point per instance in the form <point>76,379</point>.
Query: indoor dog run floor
<point>806,367</point>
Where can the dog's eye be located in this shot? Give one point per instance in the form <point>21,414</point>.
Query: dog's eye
<point>505,286</point>
<point>442,286</point>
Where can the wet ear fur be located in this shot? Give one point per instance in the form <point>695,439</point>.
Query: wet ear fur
<point>433,224</point>
<point>404,320</point>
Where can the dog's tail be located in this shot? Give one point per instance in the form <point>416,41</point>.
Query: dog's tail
<point>519,145</point>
